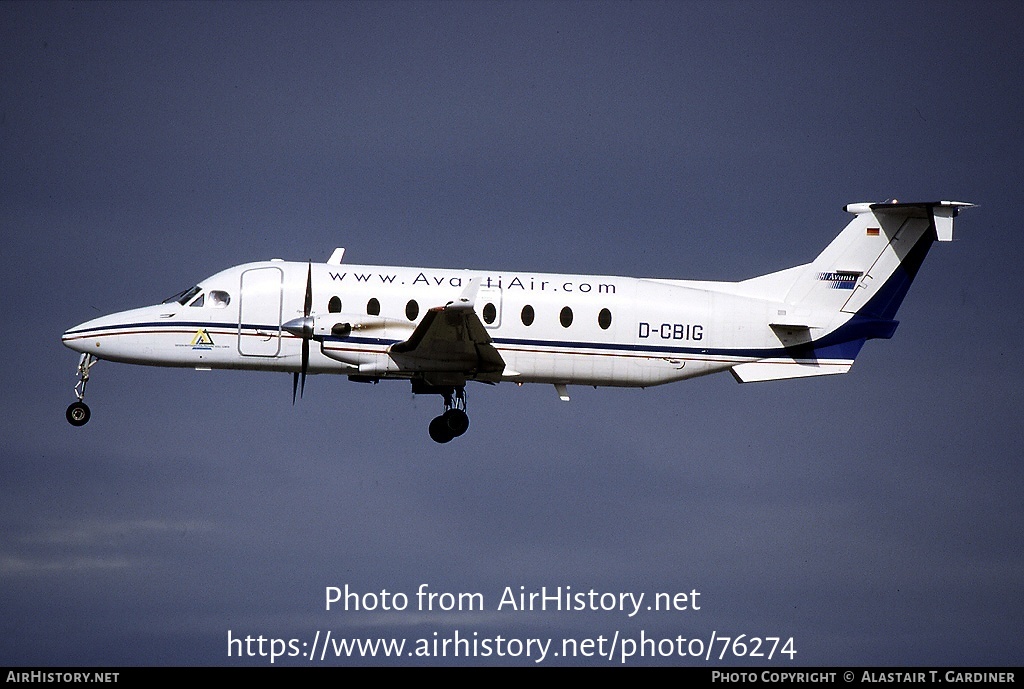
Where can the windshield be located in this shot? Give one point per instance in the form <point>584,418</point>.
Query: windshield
<point>183,297</point>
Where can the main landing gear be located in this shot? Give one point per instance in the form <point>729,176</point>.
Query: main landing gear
<point>454,421</point>
<point>78,412</point>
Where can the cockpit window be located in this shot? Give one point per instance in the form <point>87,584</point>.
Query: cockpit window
<point>219,299</point>
<point>199,300</point>
<point>183,296</point>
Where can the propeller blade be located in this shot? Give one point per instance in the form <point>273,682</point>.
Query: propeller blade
<point>305,365</point>
<point>308,304</point>
<point>299,379</point>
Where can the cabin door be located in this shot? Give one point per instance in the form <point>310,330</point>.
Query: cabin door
<point>259,312</point>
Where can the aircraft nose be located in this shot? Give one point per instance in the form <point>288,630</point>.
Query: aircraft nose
<point>88,337</point>
<point>73,339</point>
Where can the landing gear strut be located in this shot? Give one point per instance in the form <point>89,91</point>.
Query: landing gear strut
<point>454,421</point>
<point>78,412</point>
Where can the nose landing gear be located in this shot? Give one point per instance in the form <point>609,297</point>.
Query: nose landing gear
<point>454,421</point>
<point>78,413</point>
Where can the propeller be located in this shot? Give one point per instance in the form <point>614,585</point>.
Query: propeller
<point>303,327</point>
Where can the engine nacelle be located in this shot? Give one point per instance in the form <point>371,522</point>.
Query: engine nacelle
<point>334,331</point>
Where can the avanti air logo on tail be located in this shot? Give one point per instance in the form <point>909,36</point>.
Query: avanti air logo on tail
<point>840,279</point>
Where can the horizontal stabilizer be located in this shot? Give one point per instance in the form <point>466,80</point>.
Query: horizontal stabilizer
<point>758,371</point>
<point>941,213</point>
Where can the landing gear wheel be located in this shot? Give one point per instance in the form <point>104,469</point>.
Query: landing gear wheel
<point>457,421</point>
<point>438,429</point>
<point>78,413</point>
<point>453,421</point>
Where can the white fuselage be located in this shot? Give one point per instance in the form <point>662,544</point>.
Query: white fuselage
<point>440,328</point>
<point>592,330</point>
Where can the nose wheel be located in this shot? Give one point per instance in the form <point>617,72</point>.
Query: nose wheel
<point>454,421</point>
<point>78,413</point>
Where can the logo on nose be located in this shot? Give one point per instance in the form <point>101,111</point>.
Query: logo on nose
<point>202,340</point>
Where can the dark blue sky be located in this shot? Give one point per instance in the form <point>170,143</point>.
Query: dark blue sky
<point>875,517</point>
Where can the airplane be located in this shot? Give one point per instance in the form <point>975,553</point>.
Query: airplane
<point>442,328</point>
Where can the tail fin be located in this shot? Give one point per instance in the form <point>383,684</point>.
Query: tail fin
<point>858,282</point>
<point>868,268</point>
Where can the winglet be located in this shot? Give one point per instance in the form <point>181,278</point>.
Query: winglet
<point>469,292</point>
<point>335,259</point>
<point>563,392</point>
<point>943,215</point>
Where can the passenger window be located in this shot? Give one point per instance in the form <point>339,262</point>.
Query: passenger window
<point>219,299</point>
<point>565,317</point>
<point>527,315</point>
<point>412,309</point>
<point>604,319</point>
<point>373,307</point>
<point>334,305</point>
<point>490,313</point>
<point>199,300</point>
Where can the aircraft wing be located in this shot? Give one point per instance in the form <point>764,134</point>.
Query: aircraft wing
<point>450,345</point>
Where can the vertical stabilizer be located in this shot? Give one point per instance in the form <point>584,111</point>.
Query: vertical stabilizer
<point>868,268</point>
<point>857,283</point>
